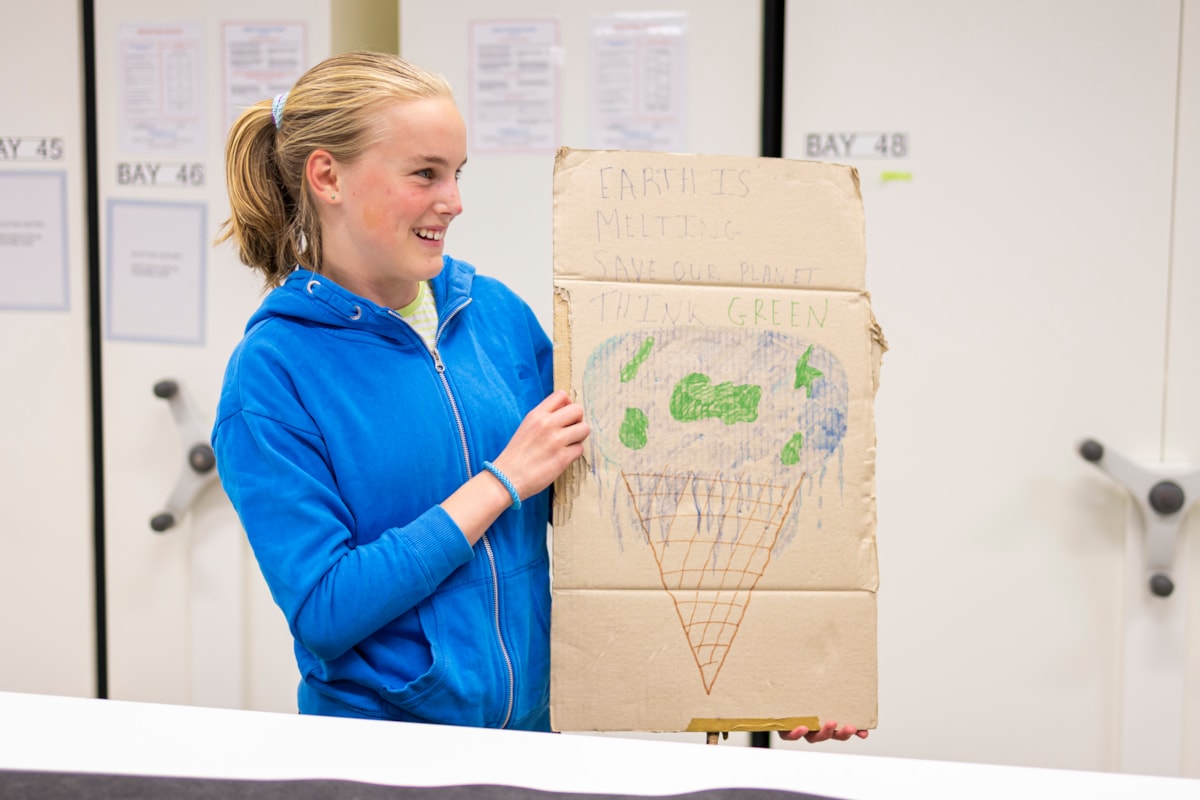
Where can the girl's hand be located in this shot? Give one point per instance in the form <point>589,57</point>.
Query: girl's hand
<point>547,441</point>
<point>828,730</point>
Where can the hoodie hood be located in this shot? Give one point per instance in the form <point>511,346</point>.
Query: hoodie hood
<point>312,297</point>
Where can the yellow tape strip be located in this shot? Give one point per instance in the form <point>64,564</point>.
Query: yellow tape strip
<point>703,725</point>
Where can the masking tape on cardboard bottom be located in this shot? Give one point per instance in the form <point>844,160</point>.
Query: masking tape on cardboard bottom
<point>704,725</point>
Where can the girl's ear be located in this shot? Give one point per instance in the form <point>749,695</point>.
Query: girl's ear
<point>322,174</point>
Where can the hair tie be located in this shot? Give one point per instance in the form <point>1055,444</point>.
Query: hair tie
<point>277,108</point>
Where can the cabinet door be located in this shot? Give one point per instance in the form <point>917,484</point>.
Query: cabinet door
<point>190,620</point>
<point>46,577</point>
<point>1019,235</point>
<point>505,229</point>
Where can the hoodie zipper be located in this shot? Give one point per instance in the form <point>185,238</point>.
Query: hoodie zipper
<point>440,366</point>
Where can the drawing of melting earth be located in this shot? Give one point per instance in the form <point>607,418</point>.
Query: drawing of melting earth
<point>706,436</point>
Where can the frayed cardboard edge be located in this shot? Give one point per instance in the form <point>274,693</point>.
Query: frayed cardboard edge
<point>566,485</point>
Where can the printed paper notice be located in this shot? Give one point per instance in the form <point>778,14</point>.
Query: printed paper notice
<point>160,89</point>
<point>638,82</point>
<point>33,241</point>
<point>261,61</point>
<point>514,86</point>
<point>156,271</point>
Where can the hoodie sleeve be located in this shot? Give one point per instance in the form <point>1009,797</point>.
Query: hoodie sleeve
<point>334,594</point>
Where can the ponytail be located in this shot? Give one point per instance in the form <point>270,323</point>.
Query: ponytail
<point>264,220</point>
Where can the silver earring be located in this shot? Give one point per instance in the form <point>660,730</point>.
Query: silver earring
<point>333,197</point>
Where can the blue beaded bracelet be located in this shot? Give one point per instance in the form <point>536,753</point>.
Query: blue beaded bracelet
<point>500,476</point>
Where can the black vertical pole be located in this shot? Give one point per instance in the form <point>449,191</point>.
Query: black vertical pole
<point>772,78</point>
<point>772,137</point>
<point>91,160</point>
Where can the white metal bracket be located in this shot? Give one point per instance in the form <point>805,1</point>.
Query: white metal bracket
<point>199,467</point>
<point>1163,494</point>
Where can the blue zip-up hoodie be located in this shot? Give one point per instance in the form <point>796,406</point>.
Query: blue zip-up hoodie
<point>338,434</point>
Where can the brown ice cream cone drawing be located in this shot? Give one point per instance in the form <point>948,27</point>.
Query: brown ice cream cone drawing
<point>712,539</point>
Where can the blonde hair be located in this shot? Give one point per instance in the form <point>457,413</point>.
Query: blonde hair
<point>335,107</point>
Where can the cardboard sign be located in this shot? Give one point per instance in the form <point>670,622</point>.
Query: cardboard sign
<point>714,550</point>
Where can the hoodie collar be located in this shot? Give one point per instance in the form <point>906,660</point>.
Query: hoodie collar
<point>313,297</point>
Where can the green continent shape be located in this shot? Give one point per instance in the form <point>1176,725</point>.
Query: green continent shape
<point>791,451</point>
<point>805,375</point>
<point>633,429</point>
<point>695,398</point>
<point>629,371</point>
